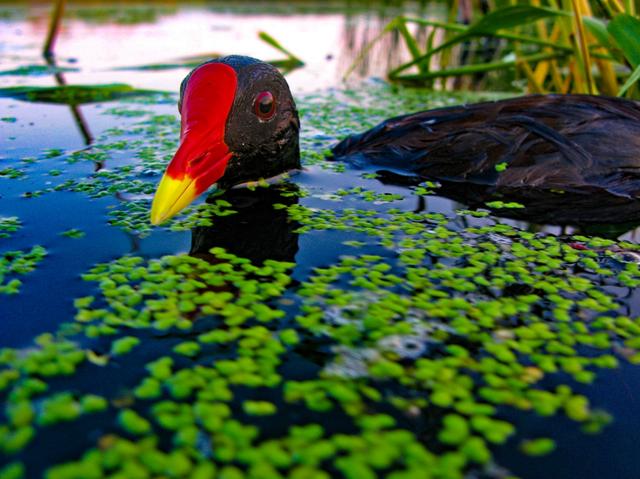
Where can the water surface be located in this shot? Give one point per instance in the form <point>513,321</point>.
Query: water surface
<point>343,250</point>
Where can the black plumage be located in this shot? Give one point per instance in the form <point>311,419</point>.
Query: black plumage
<point>576,152</point>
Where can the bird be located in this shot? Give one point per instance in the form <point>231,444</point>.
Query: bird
<point>239,123</point>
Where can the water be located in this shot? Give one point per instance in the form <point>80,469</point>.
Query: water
<point>105,41</point>
<point>131,140</point>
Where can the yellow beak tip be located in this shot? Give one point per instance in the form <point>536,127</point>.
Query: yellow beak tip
<point>171,197</point>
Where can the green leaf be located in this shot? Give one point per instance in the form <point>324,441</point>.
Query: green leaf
<point>510,17</point>
<point>634,77</point>
<point>265,37</point>
<point>599,30</point>
<point>625,29</point>
<point>412,45</point>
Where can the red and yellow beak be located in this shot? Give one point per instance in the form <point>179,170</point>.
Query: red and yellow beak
<point>203,155</point>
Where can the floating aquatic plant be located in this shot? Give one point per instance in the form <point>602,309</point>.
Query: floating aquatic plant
<point>73,233</point>
<point>455,320</point>
<point>18,263</point>
<point>9,225</point>
<point>72,94</point>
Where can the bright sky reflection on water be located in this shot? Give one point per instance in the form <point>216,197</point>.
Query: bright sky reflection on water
<point>327,42</point>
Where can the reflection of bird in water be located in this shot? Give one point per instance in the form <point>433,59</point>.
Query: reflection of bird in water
<point>567,158</point>
<point>256,231</point>
<point>615,216</point>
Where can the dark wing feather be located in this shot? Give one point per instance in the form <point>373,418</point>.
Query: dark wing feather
<point>569,142</point>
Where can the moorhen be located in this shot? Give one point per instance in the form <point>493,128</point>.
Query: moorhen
<point>239,123</point>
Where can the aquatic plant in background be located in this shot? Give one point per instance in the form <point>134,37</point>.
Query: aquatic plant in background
<point>560,47</point>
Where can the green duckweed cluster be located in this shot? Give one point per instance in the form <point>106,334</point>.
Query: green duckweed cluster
<point>18,263</point>
<point>457,326</point>
<point>368,195</point>
<point>129,160</point>
<point>12,173</point>
<point>133,216</point>
<point>494,302</point>
<point>193,402</point>
<point>222,368</point>
<point>496,205</point>
<point>9,225</point>
<point>74,233</point>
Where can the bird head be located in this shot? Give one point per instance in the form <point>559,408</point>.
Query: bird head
<point>239,123</point>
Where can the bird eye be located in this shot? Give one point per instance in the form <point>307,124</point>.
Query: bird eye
<point>265,105</point>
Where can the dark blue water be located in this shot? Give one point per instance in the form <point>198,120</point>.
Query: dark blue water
<point>45,301</point>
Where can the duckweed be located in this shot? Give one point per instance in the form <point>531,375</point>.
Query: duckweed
<point>189,348</point>
<point>368,195</point>
<point>73,233</point>
<point>8,225</point>
<point>501,204</point>
<point>61,407</point>
<point>18,263</point>
<point>12,173</point>
<point>133,423</point>
<point>259,408</point>
<point>227,368</point>
<point>15,470</point>
<point>124,345</point>
<point>538,447</point>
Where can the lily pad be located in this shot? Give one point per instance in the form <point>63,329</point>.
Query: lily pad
<point>73,94</point>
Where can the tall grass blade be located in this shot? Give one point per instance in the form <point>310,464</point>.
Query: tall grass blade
<point>412,45</point>
<point>535,85</point>
<point>581,39</point>
<point>479,67</point>
<point>598,29</point>
<point>506,17</point>
<point>504,35</point>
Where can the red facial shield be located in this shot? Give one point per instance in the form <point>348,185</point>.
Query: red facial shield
<point>202,156</point>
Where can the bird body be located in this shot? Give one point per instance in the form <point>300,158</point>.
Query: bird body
<point>573,143</point>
